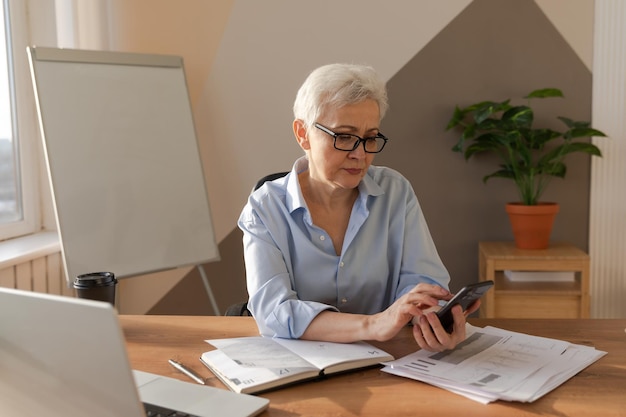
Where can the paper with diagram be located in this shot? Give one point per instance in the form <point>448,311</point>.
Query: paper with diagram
<point>494,364</point>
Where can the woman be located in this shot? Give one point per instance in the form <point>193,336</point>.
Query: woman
<point>338,250</point>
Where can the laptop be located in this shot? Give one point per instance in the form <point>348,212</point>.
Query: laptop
<point>64,356</point>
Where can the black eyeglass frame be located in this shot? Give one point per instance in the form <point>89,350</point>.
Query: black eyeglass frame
<point>358,142</point>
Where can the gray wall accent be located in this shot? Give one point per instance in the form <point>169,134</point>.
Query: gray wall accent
<point>492,50</point>
<point>227,278</point>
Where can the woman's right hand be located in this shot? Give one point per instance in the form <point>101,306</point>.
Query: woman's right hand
<point>386,324</point>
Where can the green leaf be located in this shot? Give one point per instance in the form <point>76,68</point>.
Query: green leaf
<point>557,169</point>
<point>557,154</point>
<point>486,143</point>
<point>481,105</point>
<point>572,123</point>
<point>537,138</point>
<point>545,92</point>
<point>468,133</point>
<point>523,157</point>
<point>581,132</point>
<point>520,116</point>
<point>457,118</point>
<point>502,173</point>
<point>489,108</point>
<point>588,148</point>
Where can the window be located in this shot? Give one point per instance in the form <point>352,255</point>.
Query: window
<point>18,152</point>
<point>10,198</point>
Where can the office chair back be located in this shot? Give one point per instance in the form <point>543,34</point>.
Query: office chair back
<point>270,177</point>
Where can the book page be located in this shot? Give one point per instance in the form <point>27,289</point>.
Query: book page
<point>259,352</point>
<point>252,379</point>
<point>326,354</point>
<point>264,352</point>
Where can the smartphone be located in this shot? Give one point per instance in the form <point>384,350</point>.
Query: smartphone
<point>465,297</point>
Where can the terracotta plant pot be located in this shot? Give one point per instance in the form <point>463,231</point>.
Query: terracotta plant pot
<point>532,225</point>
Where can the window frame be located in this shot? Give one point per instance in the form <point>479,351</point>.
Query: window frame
<point>26,129</point>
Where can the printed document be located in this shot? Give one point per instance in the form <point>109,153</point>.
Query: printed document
<point>493,364</point>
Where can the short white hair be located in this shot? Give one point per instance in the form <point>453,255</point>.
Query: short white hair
<point>337,85</point>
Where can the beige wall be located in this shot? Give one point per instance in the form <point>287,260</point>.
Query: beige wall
<point>192,29</point>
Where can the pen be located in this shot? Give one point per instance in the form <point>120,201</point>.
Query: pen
<point>182,368</point>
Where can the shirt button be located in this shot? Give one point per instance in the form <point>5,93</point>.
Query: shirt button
<point>322,237</point>
<point>340,264</point>
<point>344,300</point>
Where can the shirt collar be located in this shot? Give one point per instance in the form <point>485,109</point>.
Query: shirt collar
<point>295,200</point>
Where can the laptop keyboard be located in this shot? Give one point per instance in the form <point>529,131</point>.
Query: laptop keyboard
<point>158,411</point>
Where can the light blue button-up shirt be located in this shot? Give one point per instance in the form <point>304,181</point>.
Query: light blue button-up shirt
<point>293,272</point>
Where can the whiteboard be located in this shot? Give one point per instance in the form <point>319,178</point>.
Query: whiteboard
<point>123,161</point>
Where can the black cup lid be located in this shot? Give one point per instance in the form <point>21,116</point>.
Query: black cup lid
<point>95,279</point>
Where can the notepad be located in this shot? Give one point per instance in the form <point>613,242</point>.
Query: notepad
<point>256,364</point>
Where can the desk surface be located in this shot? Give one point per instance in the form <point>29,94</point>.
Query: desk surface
<point>599,390</point>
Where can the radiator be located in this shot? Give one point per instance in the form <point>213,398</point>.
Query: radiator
<point>42,274</point>
<point>34,263</point>
<point>607,226</point>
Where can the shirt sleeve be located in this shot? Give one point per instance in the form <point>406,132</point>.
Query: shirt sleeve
<point>272,301</point>
<point>421,261</point>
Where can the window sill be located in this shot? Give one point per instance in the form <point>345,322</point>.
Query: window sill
<point>27,248</point>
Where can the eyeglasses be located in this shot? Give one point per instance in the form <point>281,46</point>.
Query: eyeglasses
<point>347,142</point>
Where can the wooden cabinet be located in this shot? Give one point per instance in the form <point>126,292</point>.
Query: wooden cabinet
<point>545,299</point>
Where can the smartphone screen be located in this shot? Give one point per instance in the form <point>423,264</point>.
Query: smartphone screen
<point>465,297</point>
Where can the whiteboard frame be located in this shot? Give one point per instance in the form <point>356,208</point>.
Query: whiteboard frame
<point>81,250</point>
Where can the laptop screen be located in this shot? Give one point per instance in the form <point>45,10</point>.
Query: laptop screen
<point>63,356</point>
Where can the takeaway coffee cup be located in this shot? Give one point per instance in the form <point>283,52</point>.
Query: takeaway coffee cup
<point>96,286</point>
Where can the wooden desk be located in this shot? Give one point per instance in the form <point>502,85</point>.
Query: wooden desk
<point>599,390</point>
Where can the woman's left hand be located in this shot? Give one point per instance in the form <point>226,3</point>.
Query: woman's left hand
<point>430,334</point>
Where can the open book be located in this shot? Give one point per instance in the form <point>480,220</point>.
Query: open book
<point>255,364</point>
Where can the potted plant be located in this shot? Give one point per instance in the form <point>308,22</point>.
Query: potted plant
<point>530,156</point>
